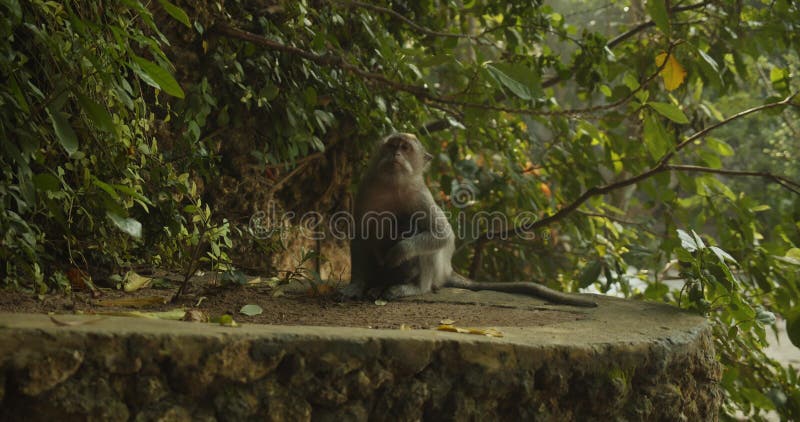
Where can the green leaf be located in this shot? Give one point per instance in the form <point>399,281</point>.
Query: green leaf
<point>99,115</point>
<point>656,291</point>
<point>590,273</point>
<point>157,77</point>
<point>709,60</point>
<point>793,326</point>
<point>687,241</point>
<point>46,182</point>
<point>14,8</point>
<point>669,111</point>
<point>722,255</point>
<point>176,12</point>
<point>66,136</point>
<point>764,316</point>
<point>519,79</point>
<point>657,9</point>
<point>698,240</point>
<point>127,225</point>
<point>758,399</point>
<point>107,188</point>
<point>720,147</point>
<point>251,310</point>
<point>656,138</point>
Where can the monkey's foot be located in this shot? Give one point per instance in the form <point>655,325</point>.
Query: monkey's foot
<point>351,292</point>
<point>402,290</point>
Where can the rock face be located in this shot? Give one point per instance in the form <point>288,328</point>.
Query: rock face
<point>621,361</point>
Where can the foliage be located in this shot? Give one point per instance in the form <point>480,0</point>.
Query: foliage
<point>625,128</point>
<point>84,183</point>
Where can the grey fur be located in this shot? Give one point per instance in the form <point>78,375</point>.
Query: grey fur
<point>409,252</point>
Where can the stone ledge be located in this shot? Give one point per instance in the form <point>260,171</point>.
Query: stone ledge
<point>623,360</point>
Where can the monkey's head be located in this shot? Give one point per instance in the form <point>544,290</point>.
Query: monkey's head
<point>402,154</point>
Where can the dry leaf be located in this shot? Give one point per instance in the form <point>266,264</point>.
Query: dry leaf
<point>447,321</point>
<point>404,327</point>
<point>380,302</point>
<point>490,332</point>
<point>196,315</point>
<point>74,323</point>
<point>449,327</point>
<point>673,73</point>
<point>173,315</point>
<point>133,281</point>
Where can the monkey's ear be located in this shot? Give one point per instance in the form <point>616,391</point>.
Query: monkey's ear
<point>428,157</point>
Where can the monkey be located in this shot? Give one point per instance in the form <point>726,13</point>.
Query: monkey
<point>393,194</point>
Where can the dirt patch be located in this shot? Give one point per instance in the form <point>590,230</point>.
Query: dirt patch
<point>296,306</point>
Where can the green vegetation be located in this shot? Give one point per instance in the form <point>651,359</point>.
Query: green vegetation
<point>649,139</point>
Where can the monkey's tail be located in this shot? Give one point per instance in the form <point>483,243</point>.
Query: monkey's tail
<point>525,288</point>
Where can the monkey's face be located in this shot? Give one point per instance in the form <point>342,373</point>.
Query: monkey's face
<point>403,154</point>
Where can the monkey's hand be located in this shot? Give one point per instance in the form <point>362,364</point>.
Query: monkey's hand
<point>401,252</point>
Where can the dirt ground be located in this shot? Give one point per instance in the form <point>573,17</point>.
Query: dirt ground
<point>282,305</point>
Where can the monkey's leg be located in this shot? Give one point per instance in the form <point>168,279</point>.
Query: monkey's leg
<point>420,244</point>
<point>359,267</point>
<point>402,290</point>
<point>419,278</point>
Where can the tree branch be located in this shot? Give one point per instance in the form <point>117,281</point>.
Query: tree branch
<point>420,92</point>
<point>415,26</point>
<point>702,133</point>
<point>786,183</point>
<point>619,39</point>
<point>661,166</point>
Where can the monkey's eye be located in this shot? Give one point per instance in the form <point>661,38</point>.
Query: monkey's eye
<point>405,147</point>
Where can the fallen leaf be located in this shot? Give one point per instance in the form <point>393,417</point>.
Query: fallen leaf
<point>133,281</point>
<point>490,332</point>
<point>447,321</point>
<point>74,323</point>
<point>173,315</point>
<point>380,302</point>
<point>672,73</point>
<point>254,281</point>
<point>227,321</point>
<point>196,315</point>
<point>449,327</point>
<point>404,327</point>
<point>251,310</point>
<point>132,302</point>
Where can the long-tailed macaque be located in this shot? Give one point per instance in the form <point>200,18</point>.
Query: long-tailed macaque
<point>403,243</point>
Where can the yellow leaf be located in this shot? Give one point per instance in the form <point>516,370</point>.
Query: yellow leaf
<point>134,281</point>
<point>673,73</point>
<point>490,332</point>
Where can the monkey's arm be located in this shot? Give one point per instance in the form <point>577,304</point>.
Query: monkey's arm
<point>422,243</point>
<point>526,288</point>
